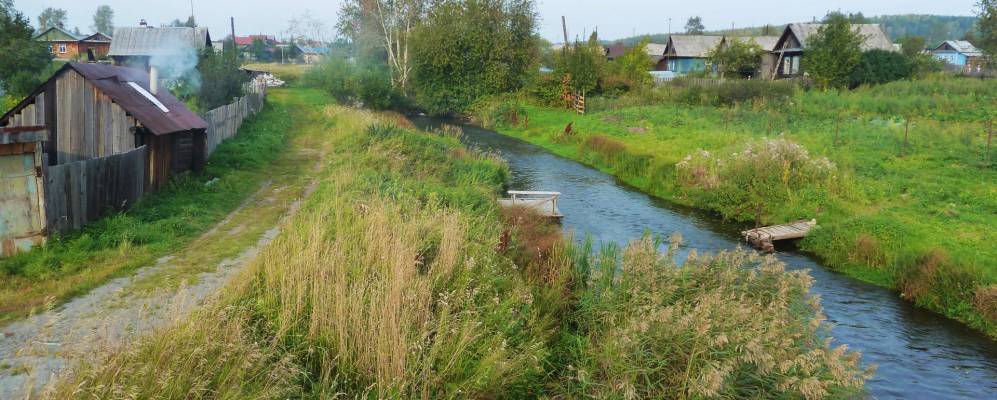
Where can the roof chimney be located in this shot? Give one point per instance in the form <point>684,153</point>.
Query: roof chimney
<point>142,23</point>
<point>154,80</point>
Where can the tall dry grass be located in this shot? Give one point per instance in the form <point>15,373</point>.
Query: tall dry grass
<point>729,325</point>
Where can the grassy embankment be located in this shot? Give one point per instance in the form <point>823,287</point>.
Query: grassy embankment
<point>919,219</point>
<point>161,223</point>
<point>400,278</point>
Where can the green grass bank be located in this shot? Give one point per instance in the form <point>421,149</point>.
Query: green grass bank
<point>914,214</point>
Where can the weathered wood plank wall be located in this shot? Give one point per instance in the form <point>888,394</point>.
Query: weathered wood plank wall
<point>224,122</point>
<point>87,123</point>
<point>82,191</point>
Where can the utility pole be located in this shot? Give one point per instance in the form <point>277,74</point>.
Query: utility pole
<point>669,26</point>
<point>564,27</point>
<point>235,51</point>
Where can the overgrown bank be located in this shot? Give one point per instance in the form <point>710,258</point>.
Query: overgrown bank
<point>400,278</point>
<point>914,214</point>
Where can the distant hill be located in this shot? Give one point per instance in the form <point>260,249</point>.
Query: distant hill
<point>934,28</point>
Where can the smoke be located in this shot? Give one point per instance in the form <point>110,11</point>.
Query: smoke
<point>176,61</point>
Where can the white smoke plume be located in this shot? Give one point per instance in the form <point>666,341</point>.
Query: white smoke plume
<point>176,61</point>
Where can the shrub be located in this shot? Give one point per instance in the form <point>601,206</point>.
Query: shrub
<point>934,281</point>
<point>733,92</point>
<point>498,112</point>
<point>731,325</point>
<point>605,145</point>
<point>881,66</point>
<point>367,86</point>
<point>766,173</point>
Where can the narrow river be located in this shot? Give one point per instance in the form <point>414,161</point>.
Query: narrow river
<point>919,354</point>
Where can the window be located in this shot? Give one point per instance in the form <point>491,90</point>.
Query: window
<point>62,48</point>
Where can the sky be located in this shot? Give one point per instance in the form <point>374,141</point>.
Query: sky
<point>613,18</point>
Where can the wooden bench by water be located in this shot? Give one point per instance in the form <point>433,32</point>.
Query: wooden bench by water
<point>544,203</point>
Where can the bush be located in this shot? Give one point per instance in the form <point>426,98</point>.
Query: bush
<point>881,66</point>
<point>729,325</point>
<point>767,173</point>
<point>369,86</point>
<point>732,92</point>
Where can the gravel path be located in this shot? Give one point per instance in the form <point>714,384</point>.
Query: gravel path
<point>35,349</point>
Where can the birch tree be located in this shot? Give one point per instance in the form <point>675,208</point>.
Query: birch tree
<point>388,24</point>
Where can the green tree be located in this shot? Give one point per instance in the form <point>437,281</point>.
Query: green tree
<point>912,46</point>
<point>694,26</point>
<point>51,17</point>
<point>103,20</point>
<point>221,80</point>
<point>736,57</point>
<point>189,23</point>
<point>23,57</point>
<point>881,66</point>
<point>467,49</point>
<point>634,65</point>
<point>833,52</point>
<point>260,51</point>
<point>583,64</point>
<point>986,28</point>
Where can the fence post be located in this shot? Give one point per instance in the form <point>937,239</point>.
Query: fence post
<point>990,138</point>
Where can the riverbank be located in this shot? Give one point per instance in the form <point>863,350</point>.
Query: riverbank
<point>915,218</point>
<point>401,278</point>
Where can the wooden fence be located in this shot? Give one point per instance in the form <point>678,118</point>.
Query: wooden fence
<point>224,122</point>
<point>82,191</point>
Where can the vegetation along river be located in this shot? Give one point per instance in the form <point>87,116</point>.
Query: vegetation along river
<point>919,354</point>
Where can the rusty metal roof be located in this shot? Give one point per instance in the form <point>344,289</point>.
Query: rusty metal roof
<point>113,80</point>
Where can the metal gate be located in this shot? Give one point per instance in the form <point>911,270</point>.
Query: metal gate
<point>22,210</point>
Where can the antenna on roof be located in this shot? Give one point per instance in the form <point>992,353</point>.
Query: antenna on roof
<point>192,9</point>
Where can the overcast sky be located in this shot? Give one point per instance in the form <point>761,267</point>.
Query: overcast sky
<point>613,18</point>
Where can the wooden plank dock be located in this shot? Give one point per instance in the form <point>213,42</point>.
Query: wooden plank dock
<point>544,203</point>
<point>764,237</point>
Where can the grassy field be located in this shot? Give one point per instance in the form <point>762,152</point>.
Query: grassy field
<point>161,223</point>
<point>914,214</point>
<point>400,278</point>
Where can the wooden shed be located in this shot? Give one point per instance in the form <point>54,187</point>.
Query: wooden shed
<point>95,110</point>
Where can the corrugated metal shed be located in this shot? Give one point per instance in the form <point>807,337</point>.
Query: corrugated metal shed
<point>112,81</point>
<point>145,41</point>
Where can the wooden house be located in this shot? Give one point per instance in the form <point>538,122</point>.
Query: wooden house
<point>95,47</point>
<point>96,110</point>
<point>656,52</point>
<point>792,44</point>
<point>768,57</point>
<point>135,46</point>
<point>960,55</point>
<point>688,53</point>
<point>65,45</point>
<point>22,222</point>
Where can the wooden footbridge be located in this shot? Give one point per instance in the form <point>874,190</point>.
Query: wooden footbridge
<point>544,203</point>
<point>764,237</point>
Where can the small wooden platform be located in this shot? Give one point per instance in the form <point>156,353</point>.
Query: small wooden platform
<point>764,237</point>
<point>545,203</point>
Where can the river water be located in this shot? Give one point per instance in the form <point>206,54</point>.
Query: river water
<point>919,354</point>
